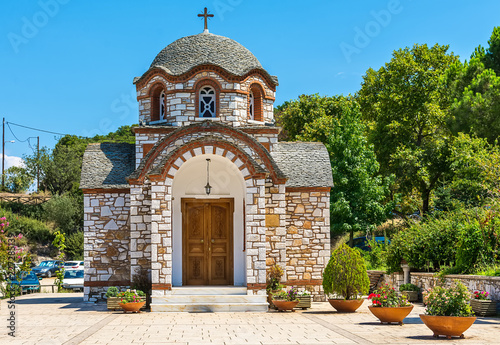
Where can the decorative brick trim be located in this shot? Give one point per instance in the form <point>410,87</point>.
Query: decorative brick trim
<point>104,190</point>
<point>154,130</point>
<point>308,189</point>
<point>161,287</point>
<point>239,92</point>
<point>304,282</point>
<point>256,286</point>
<point>107,283</point>
<point>197,87</point>
<point>229,77</point>
<point>207,127</point>
<point>261,130</point>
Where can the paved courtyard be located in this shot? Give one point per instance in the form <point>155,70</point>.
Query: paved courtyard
<point>65,319</point>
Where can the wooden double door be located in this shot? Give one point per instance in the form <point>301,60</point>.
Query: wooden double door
<point>207,241</point>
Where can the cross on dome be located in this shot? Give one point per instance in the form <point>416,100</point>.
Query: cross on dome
<point>206,15</point>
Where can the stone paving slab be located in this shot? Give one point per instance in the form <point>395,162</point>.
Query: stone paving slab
<point>64,319</point>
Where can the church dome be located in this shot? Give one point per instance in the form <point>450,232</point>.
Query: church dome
<point>206,48</point>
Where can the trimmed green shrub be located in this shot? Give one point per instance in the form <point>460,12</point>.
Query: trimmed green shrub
<point>409,287</point>
<point>345,274</point>
<point>74,246</point>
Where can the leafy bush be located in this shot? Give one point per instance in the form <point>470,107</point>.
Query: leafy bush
<point>26,210</point>
<point>462,241</point>
<point>64,212</point>
<point>33,229</point>
<point>74,246</point>
<point>409,287</point>
<point>112,291</point>
<point>453,301</point>
<point>131,296</point>
<point>345,274</point>
<point>274,278</point>
<point>290,295</point>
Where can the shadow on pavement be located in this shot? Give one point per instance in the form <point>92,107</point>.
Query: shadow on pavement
<point>68,302</point>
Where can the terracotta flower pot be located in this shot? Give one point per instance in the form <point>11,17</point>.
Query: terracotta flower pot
<point>450,326</point>
<point>346,305</point>
<point>391,314</point>
<point>134,307</point>
<point>285,305</point>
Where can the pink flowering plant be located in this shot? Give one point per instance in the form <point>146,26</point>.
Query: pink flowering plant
<point>386,296</point>
<point>11,252</point>
<point>290,295</point>
<point>453,301</point>
<point>480,294</point>
<point>131,296</point>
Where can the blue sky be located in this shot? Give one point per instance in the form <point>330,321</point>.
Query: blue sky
<point>67,65</point>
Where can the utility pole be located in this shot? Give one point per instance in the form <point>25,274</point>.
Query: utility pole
<point>38,164</point>
<point>3,154</point>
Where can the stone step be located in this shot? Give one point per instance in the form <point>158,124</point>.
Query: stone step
<point>193,299</point>
<point>212,290</point>
<point>210,307</point>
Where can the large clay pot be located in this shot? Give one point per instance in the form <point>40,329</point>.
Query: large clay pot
<point>450,326</point>
<point>391,314</point>
<point>346,305</point>
<point>285,305</point>
<point>134,307</point>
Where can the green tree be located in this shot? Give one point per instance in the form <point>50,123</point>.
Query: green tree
<point>407,111</point>
<point>359,194</point>
<point>17,179</point>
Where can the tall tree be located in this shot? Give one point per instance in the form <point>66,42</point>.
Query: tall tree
<point>17,179</point>
<point>404,103</point>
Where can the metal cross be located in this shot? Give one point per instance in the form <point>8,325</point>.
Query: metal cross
<point>206,15</point>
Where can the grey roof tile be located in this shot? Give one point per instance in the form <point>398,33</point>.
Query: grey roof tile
<point>106,165</point>
<point>305,164</point>
<point>206,48</point>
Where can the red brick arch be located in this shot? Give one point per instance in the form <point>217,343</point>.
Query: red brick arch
<point>249,168</point>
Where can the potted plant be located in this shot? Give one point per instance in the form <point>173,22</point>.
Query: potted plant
<point>112,299</point>
<point>346,278</point>
<point>132,300</point>
<point>286,300</point>
<point>274,275</point>
<point>448,311</point>
<point>482,305</point>
<point>411,291</point>
<point>305,299</point>
<point>388,306</point>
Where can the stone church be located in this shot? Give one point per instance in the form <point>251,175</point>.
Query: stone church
<point>207,198</point>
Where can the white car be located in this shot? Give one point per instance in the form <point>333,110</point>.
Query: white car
<point>73,265</point>
<point>73,279</point>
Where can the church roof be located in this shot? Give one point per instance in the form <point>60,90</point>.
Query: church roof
<point>188,52</point>
<point>305,164</point>
<point>106,165</point>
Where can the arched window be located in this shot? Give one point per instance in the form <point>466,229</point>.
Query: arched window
<point>158,105</point>
<point>207,102</point>
<point>251,106</point>
<point>255,106</point>
<point>162,106</point>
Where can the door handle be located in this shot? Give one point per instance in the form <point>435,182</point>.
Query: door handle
<point>201,241</point>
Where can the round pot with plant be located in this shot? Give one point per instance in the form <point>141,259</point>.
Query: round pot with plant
<point>388,306</point>
<point>448,311</point>
<point>411,291</point>
<point>132,300</point>
<point>286,300</point>
<point>345,279</point>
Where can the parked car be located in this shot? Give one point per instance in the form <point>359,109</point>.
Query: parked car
<point>73,279</point>
<point>73,265</point>
<point>29,282</point>
<point>47,268</point>
<point>362,242</point>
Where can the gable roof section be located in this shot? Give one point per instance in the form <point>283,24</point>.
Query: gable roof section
<point>305,164</point>
<point>106,165</point>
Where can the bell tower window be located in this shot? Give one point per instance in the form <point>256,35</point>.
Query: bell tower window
<point>207,102</point>
<point>158,103</point>
<point>251,106</point>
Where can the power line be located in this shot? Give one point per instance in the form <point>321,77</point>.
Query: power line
<point>19,140</point>
<point>35,129</point>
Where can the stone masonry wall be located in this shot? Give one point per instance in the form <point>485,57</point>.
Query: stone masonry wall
<point>307,239</point>
<point>181,100</point>
<point>106,241</point>
<point>275,225</point>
